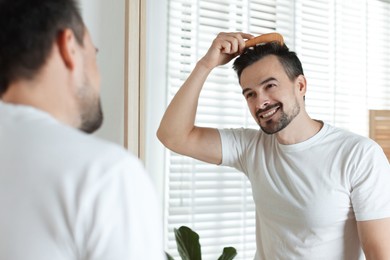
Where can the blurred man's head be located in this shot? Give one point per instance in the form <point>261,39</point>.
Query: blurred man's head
<point>30,31</point>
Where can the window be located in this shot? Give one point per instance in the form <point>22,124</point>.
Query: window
<point>344,49</point>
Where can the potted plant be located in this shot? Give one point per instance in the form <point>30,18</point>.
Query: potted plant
<point>188,246</point>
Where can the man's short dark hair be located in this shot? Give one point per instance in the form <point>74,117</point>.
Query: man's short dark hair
<point>28,30</point>
<point>289,60</point>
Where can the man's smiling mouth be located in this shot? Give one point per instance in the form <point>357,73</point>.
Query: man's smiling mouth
<point>268,113</point>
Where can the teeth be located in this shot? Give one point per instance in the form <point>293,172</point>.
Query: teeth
<point>270,113</point>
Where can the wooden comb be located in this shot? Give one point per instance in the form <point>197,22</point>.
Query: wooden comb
<point>265,38</point>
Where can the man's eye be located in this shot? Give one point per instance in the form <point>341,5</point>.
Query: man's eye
<point>271,85</point>
<point>249,95</point>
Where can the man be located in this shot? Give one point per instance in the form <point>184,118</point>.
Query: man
<point>320,192</point>
<point>64,194</point>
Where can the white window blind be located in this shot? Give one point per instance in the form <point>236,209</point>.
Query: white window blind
<point>331,43</point>
<point>344,49</point>
<point>378,54</point>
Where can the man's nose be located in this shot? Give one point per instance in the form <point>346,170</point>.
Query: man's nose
<point>262,102</point>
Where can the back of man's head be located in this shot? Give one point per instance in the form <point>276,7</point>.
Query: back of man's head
<point>28,30</point>
<point>287,58</point>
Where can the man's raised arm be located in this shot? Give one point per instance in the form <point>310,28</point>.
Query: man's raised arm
<point>177,129</point>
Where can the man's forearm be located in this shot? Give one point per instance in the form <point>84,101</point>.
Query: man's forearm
<point>179,118</point>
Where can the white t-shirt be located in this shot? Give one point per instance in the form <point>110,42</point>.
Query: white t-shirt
<point>309,195</point>
<point>68,195</point>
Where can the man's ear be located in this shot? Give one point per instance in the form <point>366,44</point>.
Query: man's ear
<point>67,45</point>
<point>301,84</point>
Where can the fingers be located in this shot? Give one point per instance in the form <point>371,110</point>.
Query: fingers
<point>224,48</point>
<point>247,36</point>
<point>232,43</point>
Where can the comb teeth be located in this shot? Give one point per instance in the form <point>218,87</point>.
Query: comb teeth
<point>265,38</point>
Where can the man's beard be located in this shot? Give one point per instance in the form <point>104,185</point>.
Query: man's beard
<point>91,117</point>
<point>272,127</point>
<point>91,113</point>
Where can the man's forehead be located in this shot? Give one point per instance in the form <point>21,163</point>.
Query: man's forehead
<point>261,70</point>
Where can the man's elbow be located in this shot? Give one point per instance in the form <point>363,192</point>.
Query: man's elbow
<point>161,136</point>
<point>166,138</point>
<point>377,252</point>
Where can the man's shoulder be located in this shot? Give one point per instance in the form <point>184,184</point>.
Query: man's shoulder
<point>242,131</point>
<point>94,148</point>
<point>91,157</point>
<point>349,140</point>
<point>35,132</point>
<point>347,135</point>
<point>247,136</point>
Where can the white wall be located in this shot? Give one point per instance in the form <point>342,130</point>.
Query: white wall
<point>106,23</point>
<point>156,44</point>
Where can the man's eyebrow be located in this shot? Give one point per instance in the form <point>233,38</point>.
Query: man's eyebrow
<point>245,90</point>
<point>260,84</point>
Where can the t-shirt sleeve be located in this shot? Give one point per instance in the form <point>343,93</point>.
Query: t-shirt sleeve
<point>370,183</point>
<point>235,143</point>
<point>126,219</point>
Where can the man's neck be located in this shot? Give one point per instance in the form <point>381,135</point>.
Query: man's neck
<point>300,129</point>
<point>47,99</point>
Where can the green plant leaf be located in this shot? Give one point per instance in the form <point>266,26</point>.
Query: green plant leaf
<point>188,243</point>
<point>169,257</point>
<point>228,253</point>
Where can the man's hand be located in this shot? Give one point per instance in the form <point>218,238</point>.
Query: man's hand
<point>224,48</point>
